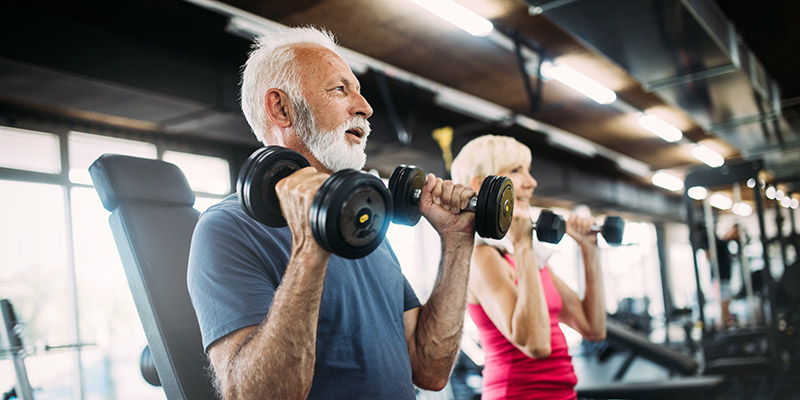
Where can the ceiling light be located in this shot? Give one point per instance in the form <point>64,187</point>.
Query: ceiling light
<point>697,192</point>
<point>786,202</point>
<point>795,203</point>
<point>578,81</point>
<point>770,192</point>
<point>571,143</point>
<point>708,156</point>
<point>470,105</point>
<point>742,209</point>
<point>633,166</point>
<point>779,195</point>
<point>457,15</point>
<point>667,181</point>
<point>751,183</point>
<point>660,127</point>
<point>720,201</point>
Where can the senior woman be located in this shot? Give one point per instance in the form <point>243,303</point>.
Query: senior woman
<point>515,300</point>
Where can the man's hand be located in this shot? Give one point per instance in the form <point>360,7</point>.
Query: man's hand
<point>580,229</point>
<point>442,202</point>
<point>296,193</point>
<point>433,331</point>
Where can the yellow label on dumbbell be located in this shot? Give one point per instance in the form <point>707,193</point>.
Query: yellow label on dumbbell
<point>363,218</point>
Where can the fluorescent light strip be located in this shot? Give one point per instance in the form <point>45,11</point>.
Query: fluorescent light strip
<point>742,209</point>
<point>708,156</point>
<point>470,105</point>
<point>667,181</point>
<point>633,166</point>
<point>720,201</point>
<point>579,82</point>
<point>660,127</point>
<point>697,192</point>
<point>457,15</point>
<point>572,143</point>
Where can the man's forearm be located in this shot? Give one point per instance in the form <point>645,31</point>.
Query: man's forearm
<point>441,319</point>
<point>277,359</point>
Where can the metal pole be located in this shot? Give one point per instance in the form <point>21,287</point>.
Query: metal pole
<point>10,339</point>
<point>711,234</point>
<point>744,263</point>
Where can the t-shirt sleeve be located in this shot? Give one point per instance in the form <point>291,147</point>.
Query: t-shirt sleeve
<point>230,283</point>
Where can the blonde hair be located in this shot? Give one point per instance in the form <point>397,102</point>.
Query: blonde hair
<point>488,155</point>
<point>272,64</point>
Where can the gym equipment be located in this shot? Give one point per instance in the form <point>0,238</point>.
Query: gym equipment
<point>148,367</point>
<point>637,345</point>
<point>11,339</point>
<point>550,228</point>
<point>349,214</point>
<point>493,207</point>
<point>152,220</point>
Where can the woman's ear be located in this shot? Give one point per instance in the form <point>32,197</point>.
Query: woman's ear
<point>278,108</point>
<point>476,182</point>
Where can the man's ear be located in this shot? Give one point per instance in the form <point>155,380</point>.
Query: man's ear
<point>278,108</point>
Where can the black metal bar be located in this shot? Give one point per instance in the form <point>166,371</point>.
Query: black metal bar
<point>394,120</point>
<point>623,369</point>
<point>770,285</point>
<point>666,290</point>
<point>690,220</point>
<point>779,232</point>
<point>791,218</point>
<point>526,79</point>
<point>728,174</point>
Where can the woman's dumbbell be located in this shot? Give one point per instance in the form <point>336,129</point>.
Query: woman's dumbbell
<point>493,206</point>
<point>349,214</point>
<point>550,228</point>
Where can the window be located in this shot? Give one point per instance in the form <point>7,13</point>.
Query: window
<point>35,279</point>
<point>205,174</point>
<point>60,266</point>
<point>84,148</point>
<point>29,150</point>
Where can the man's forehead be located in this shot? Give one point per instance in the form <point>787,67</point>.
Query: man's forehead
<point>322,64</point>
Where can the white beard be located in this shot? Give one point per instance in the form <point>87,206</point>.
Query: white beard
<point>331,148</point>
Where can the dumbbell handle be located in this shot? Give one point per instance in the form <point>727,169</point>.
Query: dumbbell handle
<point>471,206</point>
<point>595,228</point>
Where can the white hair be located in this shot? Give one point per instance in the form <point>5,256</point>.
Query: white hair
<point>488,155</point>
<point>271,65</point>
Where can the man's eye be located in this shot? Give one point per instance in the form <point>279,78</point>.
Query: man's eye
<point>339,88</point>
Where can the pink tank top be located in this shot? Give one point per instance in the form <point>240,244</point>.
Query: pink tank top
<point>510,374</point>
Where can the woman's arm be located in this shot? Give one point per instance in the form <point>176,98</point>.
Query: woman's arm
<point>519,311</point>
<point>587,316</point>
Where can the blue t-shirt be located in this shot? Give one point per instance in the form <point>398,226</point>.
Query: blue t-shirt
<point>235,266</point>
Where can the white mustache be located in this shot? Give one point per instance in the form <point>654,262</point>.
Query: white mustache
<point>360,123</point>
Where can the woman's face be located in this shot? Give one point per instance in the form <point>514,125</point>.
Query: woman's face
<point>524,183</point>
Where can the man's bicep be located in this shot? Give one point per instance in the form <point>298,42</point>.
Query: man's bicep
<point>230,285</point>
<point>410,326</point>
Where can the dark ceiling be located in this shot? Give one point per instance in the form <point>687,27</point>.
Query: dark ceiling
<point>172,66</point>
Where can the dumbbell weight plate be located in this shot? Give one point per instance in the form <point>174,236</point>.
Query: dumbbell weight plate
<point>350,213</point>
<point>550,228</point>
<point>495,207</point>
<point>612,230</point>
<point>257,178</point>
<point>402,184</point>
